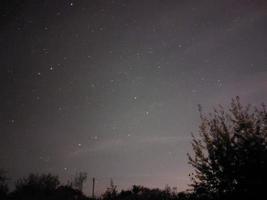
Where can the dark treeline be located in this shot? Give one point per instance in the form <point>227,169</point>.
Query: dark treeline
<point>229,157</point>
<point>41,187</point>
<point>48,187</point>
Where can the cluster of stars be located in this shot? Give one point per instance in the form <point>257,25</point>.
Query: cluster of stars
<point>118,70</point>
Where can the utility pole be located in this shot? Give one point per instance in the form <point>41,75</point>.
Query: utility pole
<point>93,189</point>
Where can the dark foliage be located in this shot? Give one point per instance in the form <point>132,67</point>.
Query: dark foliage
<point>79,180</point>
<point>111,192</point>
<point>3,185</point>
<point>230,154</point>
<point>47,187</point>
<point>68,193</point>
<point>44,187</point>
<point>143,193</point>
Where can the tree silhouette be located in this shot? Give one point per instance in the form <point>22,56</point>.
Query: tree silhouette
<point>230,153</point>
<point>69,193</point>
<point>111,192</point>
<point>36,187</point>
<point>44,187</point>
<point>3,185</point>
<point>79,180</point>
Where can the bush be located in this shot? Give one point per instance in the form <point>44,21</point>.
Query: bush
<point>230,153</point>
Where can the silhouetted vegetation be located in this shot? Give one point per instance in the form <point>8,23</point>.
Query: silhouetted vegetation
<point>79,180</point>
<point>3,185</point>
<point>229,158</point>
<point>143,193</point>
<point>230,154</point>
<point>44,187</point>
<point>48,187</point>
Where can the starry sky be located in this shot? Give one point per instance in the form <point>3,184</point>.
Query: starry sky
<point>111,87</point>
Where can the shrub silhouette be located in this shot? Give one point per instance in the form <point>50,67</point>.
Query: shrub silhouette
<point>69,193</point>
<point>142,193</point>
<point>3,185</point>
<point>44,187</point>
<point>230,153</point>
<point>111,192</point>
<point>79,180</point>
<point>36,187</point>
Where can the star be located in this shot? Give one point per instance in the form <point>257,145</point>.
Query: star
<point>117,81</point>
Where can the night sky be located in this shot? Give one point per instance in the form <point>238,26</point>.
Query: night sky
<point>112,87</point>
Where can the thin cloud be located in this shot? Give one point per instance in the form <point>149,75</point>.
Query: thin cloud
<point>111,144</point>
